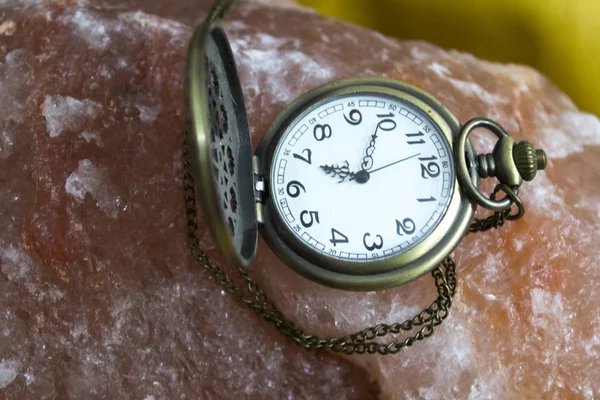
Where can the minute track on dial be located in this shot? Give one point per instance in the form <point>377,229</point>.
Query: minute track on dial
<point>341,189</point>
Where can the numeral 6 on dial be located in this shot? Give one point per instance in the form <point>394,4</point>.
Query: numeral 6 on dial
<point>293,188</point>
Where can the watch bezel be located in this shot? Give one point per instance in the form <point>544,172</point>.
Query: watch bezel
<point>209,43</point>
<point>379,273</point>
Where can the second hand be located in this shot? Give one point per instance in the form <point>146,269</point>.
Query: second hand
<point>395,162</point>
<point>388,165</point>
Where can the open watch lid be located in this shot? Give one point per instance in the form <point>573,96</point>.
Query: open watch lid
<point>220,145</point>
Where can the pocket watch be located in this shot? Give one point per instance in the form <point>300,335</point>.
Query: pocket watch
<point>360,184</point>
<point>356,184</point>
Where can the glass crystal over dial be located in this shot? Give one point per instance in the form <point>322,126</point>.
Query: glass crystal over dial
<point>362,176</point>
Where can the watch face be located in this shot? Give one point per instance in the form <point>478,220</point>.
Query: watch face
<point>362,176</point>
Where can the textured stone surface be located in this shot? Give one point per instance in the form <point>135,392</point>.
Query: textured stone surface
<point>101,299</point>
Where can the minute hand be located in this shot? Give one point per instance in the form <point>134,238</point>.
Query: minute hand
<point>394,163</point>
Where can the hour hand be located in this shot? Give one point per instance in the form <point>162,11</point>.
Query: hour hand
<point>342,172</point>
<point>367,162</point>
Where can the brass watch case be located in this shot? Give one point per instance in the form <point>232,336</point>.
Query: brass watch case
<point>376,274</point>
<point>219,144</point>
<point>210,56</point>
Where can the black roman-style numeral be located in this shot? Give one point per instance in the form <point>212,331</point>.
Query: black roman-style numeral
<point>293,188</point>
<point>308,158</point>
<point>406,227</point>
<point>374,245</point>
<point>414,135</point>
<point>322,132</point>
<point>338,237</point>
<point>432,169</point>
<point>386,124</point>
<point>354,118</point>
<point>308,218</point>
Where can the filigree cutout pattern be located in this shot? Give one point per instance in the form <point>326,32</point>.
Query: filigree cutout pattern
<point>223,150</point>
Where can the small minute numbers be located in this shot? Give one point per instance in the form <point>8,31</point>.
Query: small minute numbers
<point>364,176</point>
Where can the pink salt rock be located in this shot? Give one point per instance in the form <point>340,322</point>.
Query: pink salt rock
<point>101,298</point>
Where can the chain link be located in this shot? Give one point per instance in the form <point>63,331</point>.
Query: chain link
<point>498,218</point>
<point>364,341</point>
<point>361,342</point>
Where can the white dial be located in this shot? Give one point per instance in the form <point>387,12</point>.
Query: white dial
<point>360,177</point>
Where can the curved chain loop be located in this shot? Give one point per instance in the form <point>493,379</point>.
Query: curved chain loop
<point>361,342</point>
<point>498,218</point>
<point>514,199</point>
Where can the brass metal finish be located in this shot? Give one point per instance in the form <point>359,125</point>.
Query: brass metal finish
<point>506,169</point>
<point>541,158</point>
<point>486,165</point>
<point>219,142</point>
<point>524,163</point>
<point>382,273</point>
<point>220,9</point>
<point>463,168</point>
<point>361,342</point>
<point>514,198</point>
<point>199,182</point>
<point>528,160</point>
<point>496,220</point>
<point>511,163</point>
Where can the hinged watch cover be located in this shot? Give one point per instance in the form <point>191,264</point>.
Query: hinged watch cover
<point>220,144</point>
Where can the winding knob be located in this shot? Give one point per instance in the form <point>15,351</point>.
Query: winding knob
<point>528,160</point>
<point>512,163</point>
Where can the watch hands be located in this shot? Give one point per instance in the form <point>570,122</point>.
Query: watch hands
<point>395,162</point>
<point>362,176</point>
<point>367,162</point>
<point>342,172</point>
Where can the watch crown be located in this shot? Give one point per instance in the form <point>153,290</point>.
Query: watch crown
<point>528,160</point>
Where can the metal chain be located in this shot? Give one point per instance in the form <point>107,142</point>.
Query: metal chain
<point>364,341</point>
<point>359,342</point>
<point>498,218</point>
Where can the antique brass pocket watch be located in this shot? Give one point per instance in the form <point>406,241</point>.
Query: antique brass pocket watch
<point>361,184</point>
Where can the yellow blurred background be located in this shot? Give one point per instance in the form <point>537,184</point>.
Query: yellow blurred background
<point>560,38</point>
